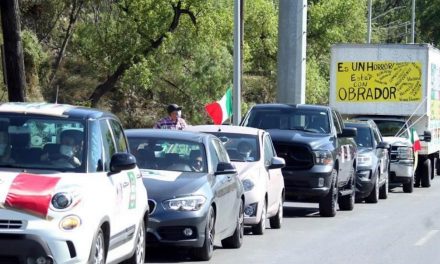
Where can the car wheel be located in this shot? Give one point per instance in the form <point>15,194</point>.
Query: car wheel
<point>409,186</point>
<point>236,239</point>
<point>259,228</point>
<point>383,193</point>
<point>327,205</point>
<point>346,202</point>
<point>97,252</point>
<point>139,253</point>
<point>374,194</point>
<point>433,168</point>
<point>205,252</point>
<point>277,220</point>
<point>425,176</point>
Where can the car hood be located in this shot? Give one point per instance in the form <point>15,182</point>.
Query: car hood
<point>32,192</point>
<point>365,151</point>
<point>397,141</point>
<point>162,184</point>
<point>314,140</point>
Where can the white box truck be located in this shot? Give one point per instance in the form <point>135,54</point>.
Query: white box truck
<point>397,86</point>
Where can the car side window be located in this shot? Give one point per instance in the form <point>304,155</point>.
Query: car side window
<point>221,151</point>
<point>377,137</point>
<point>95,163</point>
<point>336,122</point>
<point>268,150</point>
<point>214,155</point>
<point>121,144</point>
<point>108,144</point>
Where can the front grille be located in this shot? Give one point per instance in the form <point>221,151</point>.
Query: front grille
<point>152,206</point>
<point>393,153</point>
<point>8,260</point>
<point>10,224</point>
<point>297,157</point>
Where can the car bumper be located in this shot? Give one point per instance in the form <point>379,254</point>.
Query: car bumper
<point>35,237</point>
<point>364,183</point>
<point>401,171</point>
<point>171,228</point>
<point>253,207</point>
<point>307,184</point>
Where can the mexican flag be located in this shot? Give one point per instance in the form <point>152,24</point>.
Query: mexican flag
<point>221,110</point>
<point>415,140</point>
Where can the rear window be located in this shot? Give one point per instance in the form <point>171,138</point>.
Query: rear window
<point>290,119</point>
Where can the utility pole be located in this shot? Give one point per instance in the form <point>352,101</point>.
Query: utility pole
<point>14,58</point>
<point>413,21</point>
<point>292,35</point>
<point>236,99</point>
<point>369,23</point>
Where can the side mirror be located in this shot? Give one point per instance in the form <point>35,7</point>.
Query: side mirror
<point>122,161</point>
<point>427,136</point>
<point>383,145</point>
<point>277,163</point>
<point>349,132</point>
<point>225,168</point>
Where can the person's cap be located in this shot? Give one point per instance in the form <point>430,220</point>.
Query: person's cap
<point>173,107</point>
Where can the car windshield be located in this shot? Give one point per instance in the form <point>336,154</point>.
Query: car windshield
<point>240,147</point>
<point>30,142</point>
<point>168,154</point>
<point>392,128</point>
<point>363,137</point>
<point>310,120</point>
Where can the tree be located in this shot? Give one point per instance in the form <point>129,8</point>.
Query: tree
<point>13,48</point>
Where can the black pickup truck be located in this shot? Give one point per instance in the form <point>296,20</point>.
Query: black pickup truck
<point>319,151</point>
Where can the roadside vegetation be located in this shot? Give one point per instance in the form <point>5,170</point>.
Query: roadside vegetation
<point>133,57</point>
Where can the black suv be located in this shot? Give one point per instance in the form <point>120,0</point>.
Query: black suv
<point>319,151</point>
<point>372,162</point>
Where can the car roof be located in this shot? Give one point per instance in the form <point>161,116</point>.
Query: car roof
<point>168,134</point>
<point>289,106</point>
<point>226,129</point>
<point>55,110</point>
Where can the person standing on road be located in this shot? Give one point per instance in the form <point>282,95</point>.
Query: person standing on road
<point>173,120</point>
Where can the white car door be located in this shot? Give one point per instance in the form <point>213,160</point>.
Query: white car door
<point>276,179</point>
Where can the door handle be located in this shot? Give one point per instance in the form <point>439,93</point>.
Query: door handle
<point>125,184</point>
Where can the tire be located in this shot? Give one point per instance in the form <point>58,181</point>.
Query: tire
<point>277,220</point>
<point>236,239</point>
<point>204,253</point>
<point>383,192</point>
<point>409,186</point>
<point>425,177</point>
<point>98,251</point>
<point>374,194</point>
<point>327,205</point>
<point>433,168</point>
<point>139,253</point>
<point>346,203</point>
<point>437,166</point>
<point>259,228</point>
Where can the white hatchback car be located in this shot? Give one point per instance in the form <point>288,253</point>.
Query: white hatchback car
<point>252,152</point>
<point>70,191</point>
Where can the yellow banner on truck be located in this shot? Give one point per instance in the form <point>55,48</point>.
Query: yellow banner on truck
<point>378,81</point>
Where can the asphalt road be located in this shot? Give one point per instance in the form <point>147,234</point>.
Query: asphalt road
<point>405,228</point>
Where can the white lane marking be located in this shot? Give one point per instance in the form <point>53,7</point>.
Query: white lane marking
<point>425,239</point>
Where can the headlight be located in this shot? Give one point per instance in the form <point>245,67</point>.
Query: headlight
<point>65,199</point>
<point>364,160</point>
<point>323,157</point>
<point>248,185</point>
<point>190,203</point>
<point>404,153</point>
<point>62,200</point>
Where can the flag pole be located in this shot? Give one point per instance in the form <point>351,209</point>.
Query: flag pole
<point>236,110</point>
